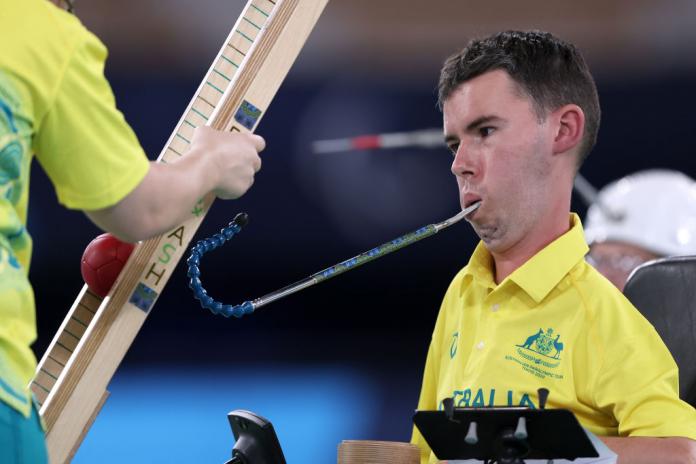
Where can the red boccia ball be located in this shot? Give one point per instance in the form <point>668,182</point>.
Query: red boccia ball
<point>102,262</point>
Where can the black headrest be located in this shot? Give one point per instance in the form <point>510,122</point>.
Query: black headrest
<point>664,291</point>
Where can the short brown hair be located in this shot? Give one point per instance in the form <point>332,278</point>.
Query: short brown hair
<point>550,71</point>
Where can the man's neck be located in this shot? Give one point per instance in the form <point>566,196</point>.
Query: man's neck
<point>533,242</point>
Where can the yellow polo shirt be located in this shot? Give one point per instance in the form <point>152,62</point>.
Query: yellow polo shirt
<point>555,322</point>
<point>56,104</point>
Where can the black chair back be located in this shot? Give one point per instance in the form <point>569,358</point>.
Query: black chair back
<point>664,291</point>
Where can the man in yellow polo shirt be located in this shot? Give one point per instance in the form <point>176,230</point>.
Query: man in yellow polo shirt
<point>55,103</point>
<point>520,114</point>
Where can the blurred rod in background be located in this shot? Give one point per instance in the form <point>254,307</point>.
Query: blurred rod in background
<point>426,138</point>
<point>434,138</point>
<point>591,197</point>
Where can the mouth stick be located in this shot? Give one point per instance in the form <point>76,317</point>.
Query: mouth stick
<point>344,266</point>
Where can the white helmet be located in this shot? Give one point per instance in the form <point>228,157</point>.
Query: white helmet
<point>654,209</point>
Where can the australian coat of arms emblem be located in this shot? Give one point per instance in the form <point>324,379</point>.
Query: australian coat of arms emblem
<point>545,343</point>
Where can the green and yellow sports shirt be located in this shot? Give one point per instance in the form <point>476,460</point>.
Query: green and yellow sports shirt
<point>55,104</point>
<point>555,322</point>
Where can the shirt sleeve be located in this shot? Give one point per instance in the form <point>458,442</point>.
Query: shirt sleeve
<point>638,383</point>
<point>83,142</point>
<point>428,397</point>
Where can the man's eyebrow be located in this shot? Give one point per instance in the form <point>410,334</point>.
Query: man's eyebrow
<point>473,125</point>
<point>481,121</point>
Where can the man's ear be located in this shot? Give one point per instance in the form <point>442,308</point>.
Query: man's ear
<point>570,128</point>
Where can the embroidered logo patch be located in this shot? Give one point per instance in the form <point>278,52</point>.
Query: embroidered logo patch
<point>539,354</point>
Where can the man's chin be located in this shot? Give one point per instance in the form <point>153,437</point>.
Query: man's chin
<point>488,234</point>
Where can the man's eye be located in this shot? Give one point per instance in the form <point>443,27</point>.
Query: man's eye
<point>453,147</point>
<point>486,131</point>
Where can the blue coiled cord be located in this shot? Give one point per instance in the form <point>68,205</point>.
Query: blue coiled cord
<point>194,271</point>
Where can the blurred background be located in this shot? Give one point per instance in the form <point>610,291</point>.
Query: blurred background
<point>342,360</point>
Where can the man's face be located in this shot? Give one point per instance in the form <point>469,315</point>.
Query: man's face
<point>502,156</point>
<point>616,260</point>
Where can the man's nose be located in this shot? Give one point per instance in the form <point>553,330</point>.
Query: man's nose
<point>464,164</point>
